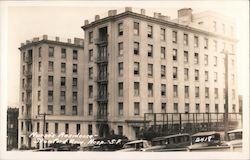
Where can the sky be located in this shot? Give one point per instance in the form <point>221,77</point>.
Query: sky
<point>64,19</point>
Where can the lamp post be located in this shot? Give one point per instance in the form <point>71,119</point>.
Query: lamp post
<point>44,122</point>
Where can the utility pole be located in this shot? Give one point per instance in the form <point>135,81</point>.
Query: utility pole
<point>44,123</point>
<point>226,96</point>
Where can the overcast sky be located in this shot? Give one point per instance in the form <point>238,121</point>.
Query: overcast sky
<point>28,20</point>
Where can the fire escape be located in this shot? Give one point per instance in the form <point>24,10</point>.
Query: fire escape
<point>102,83</point>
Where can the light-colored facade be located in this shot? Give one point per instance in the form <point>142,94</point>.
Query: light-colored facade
<point>51,82</point>
<point>138,64</point>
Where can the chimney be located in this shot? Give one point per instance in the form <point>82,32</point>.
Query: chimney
<point>97,17</point>
<point>128,9</point>
<point>27,41</point>
<point>35,39</point>
<point>86,22</point>
<point>78,41</point>
<point>57,39</point>
<point>156,15</point>
<point>112,12</point>
<point>69,40</point>
<point>45,37</point>
<point>143,11</point>
<point>185,14</point>
<point>165,18</point>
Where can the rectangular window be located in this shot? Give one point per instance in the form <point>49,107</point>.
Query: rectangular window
<point>163,71</point>
<point>197,108</point>
<point>215,45</point>
<point>136,108</point>
<point>196,41</point>
<point>63,81</point>
<point>150,50</point>
<point>214,26</point>
<point>185,41</point>
<point>66,128</point>
<point>50,96</point>
<point>74,97</point>
<point>186,74</point>
<point>174,54</point>
<point>196,58</point>
<point>186,91</point>
<point>175,72</point>
<point>120,49</point>
<point>120,29</point>
<point>63,67</point>
<point>136,48</point>
<point>120,89</point>
<point>63,53</point>
<point>150,89</point>
<point>150,108</point>
<point>22,126</point>
<point>233,93</point>
<point>90,129</point>
<point>120,69</point>
<point>215,77</point>
<point>197,92</point>
<point>185,56</point>
<point>38,109</point>
<point>136,28</point>
<point>78,128</point>
<point>74,83</point>
<point>163,107</point>
<point>120,130</point>
<point>186,107</point>
<point>90,109</point>
<point>215,61</point>
<point>174,37</point>
<point>56,128</point>
<point>216,94</point>
<point>51,51</point>
<point>207,108</point>
<point>39,66</point>
<point>50,80</point>
<point>40,52</point>
<point>175,107</point>
<point>216,108</point>
<point>136,68</point>
<point>205,43</point>
<point>234,108</point>
<point>38,95</point>
<point>163,53</point>
<point>38,127</point>
<point>196,75</point>
<point>206,92</point>
<point>163,90</point>
<point>136,88</point>
<point>75,54</point>
<point>91,55</point>
<point>39,81</point>
<point>90,91</point>
<point>206,76</point>
<point>163,34</point>
<point>62,111</point>
<point>47,127</point>
<point>150,31</point>
<point>175,91</point>
<point>90,37</point>
<point>74,68</point>
<point>74,110</point>
<point>150,70</point>
<point>90,73</point>
<point>51,66</point>
<point>63,96</point>
<point>120,109</point>
<point>206,59</point>
<point>50,109</point>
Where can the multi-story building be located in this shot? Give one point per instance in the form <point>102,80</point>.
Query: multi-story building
<point>136,64</point>
<point>51,82</point>
<point>12,128</point>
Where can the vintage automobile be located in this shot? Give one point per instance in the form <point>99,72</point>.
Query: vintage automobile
<point>205,139</point>
<point>169,142</point>
<point>137,145</point>
<point>234,137</point>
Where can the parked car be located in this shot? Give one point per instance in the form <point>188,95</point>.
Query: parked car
<point>137,145</point>
<point>170,142</point>
<point>234,137</point>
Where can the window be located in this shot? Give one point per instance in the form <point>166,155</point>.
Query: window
<point>90,73</point>
<point>120,130</point>
<point>185,56</point>
<point>174,37</point>
<point>163,90</point>
<point>150,31</point>
<point>163,71</point>
<point>74,84</point>
<point>150,50</point>
<point>51,51</point>
<point>206,76</point>
<point>22,126</point>
<point>62,112</point>
<point>215,45</point>
<point>47,127</point>
<point>186,107</point>
<point>150,108</point>
<point>91,55</point>
<point>39,81</point>
<point>23,96</point>
<point>120,49</point>
<point>207,108</point>
<point>50,80</point>
<point>206,92</point>
<point>214,26</point>
<point>51,66</point>
<point>215,61</point>
<point>90,37</point>
<point>197,108</point>
<point>63,81</point>
<point>197,92</point>
<point>205,43</point>
<point>74,68</point>
<point>56,128</point>
<point>163,34</point>
<point>186,74</point>
<point>175,72</point>
<point>66,128</point>
<point>120,69</point>
<point>38,109</point>
<point>63,96</point>
<point>136,48</point>
<point>223,28</point>
<point>150,70</point>
<point>136,88</point>
<point>216,108</point>
<point>234,108</point>
<point>39,66</point>
<point>136,108</point>
<point>120,29</point>
<point>196,58</point>
<point>90,129</point>
<point>50,96</point>
<point>175,91</point>
<point>196,41</point>
<point>186,91</point>
<point>185,41</point>
<point>90,91</point>
<point>175,107</point>
<point>150,89</point>
<point>120,109</point>
<point>136,68</point>
<point>78,128</point>
<point>174,54</point>
<point>38,95</point>
<point>163,107</point>
<point>216,94</point>
<point>63,53</point>
<point>196,75</point>
<point>163,53</point>
<point>136,28</point>
<point>215,77</point>
<point>120,89</point>
<point>233,93</point>
<point>75,54</point>
<point>74,97</point>
<point>50,109</point>
<point>38,127</point>
<point>40,52</point>
<point>90,109</point>
<point>206,59</point>
<point>74,110</point>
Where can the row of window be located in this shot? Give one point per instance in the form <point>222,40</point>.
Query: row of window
<point>63,81</point>
<point>223,28</point>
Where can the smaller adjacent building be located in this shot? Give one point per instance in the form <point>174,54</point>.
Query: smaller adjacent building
<point>12,128</point>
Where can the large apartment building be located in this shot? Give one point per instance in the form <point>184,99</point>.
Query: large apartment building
<point>51,82</point>
<point>136,64</point>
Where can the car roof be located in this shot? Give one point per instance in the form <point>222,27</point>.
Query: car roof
<point>205,133</point>
<point>137,141</point>
<point>236,130</point>
<point>170,136</point>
